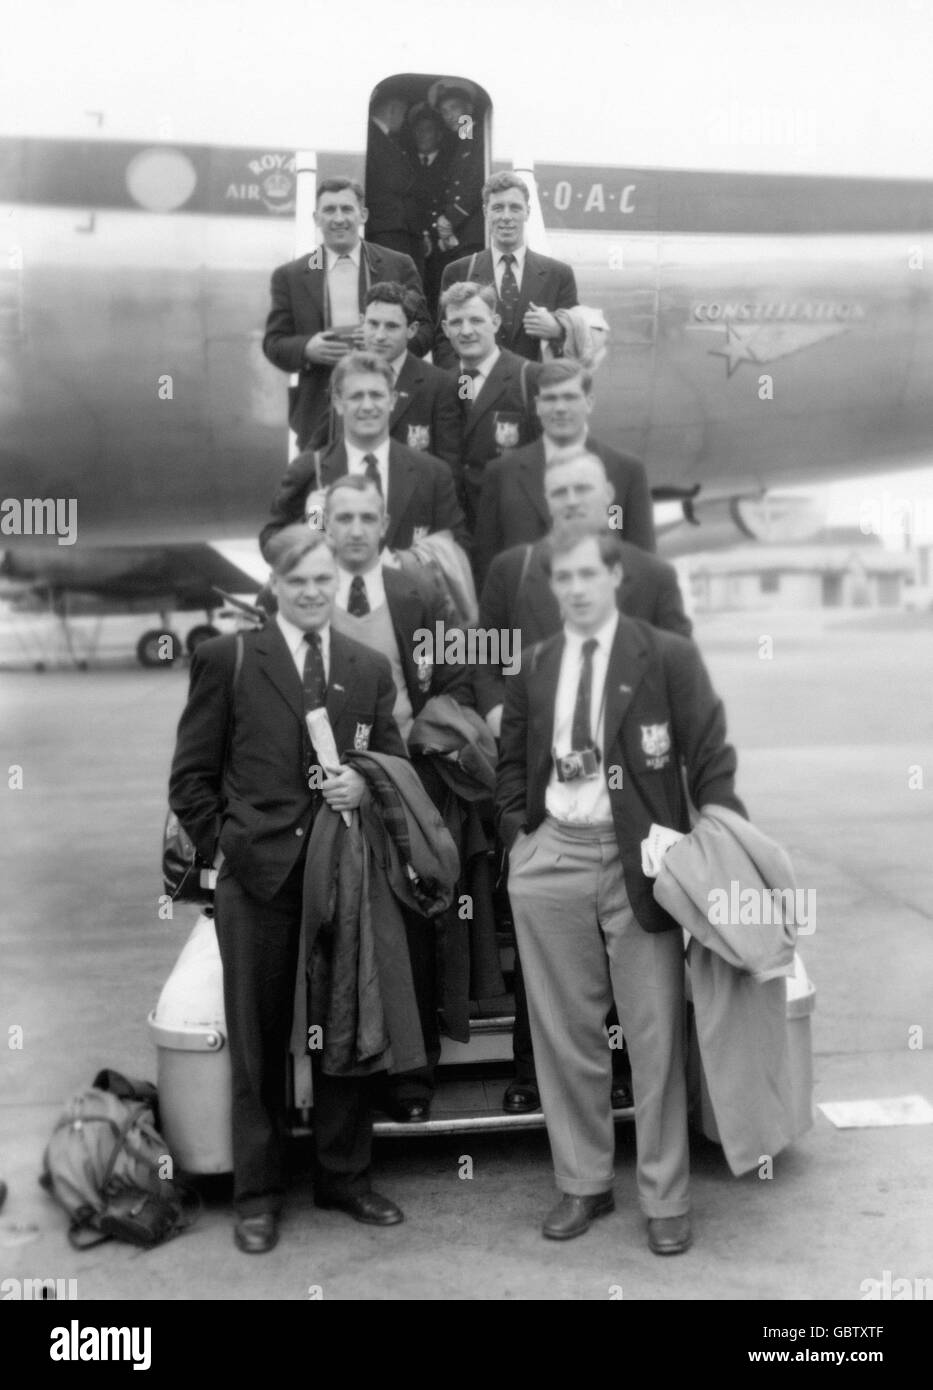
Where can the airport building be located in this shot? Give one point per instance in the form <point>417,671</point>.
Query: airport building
<point>840,568</point>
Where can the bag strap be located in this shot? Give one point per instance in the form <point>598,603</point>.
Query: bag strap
<point>238,663</point>
<point>525,563</point>
<point>524,382</point>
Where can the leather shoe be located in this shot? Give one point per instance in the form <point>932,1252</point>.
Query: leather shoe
<point>669,1235</point>
<point>521,1098</point>
<point>369,1207</point>
<point>254,1235</point>
<point>620,1096</point>
<point>408,1109</point>
<point>572,1215</point>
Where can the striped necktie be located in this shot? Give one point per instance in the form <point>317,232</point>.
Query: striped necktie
<point>313,674</point>
<point>508,295</point>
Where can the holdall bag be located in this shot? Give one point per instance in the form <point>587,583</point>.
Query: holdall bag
<point>110,1169</point>
<point>186,877</point>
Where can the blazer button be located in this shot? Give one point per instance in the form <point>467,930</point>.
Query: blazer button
<point>299,831</point>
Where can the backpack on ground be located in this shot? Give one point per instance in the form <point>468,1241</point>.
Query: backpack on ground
<point>108,1166</point>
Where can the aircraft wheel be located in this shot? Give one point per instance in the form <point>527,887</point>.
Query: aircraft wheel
<point>200,634</point>
<point>153,649</point>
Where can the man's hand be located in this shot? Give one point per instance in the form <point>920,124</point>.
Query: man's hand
<point>326,349</point>
<point>494,720</point>
<point>344,791</point>
<point>541,323</point>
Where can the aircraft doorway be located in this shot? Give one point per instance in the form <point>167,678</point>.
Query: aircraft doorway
<point>428,146</point>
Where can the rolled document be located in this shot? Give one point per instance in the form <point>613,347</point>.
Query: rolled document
<point>325,745</point>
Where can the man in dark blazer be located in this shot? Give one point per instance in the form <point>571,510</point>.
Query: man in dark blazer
<point>384,609</point>
<point>242,785</point>
<point>317,302</point>
<point>599,724</point>
<point>426,415</point>
<point>496,387</point>
<point>517,594</point>
<point>512,508</point>
<point>529,286</point>
<point>390,180</point>
<point>419,490</point>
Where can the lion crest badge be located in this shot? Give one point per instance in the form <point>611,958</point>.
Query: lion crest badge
<point>419,437</point>
<point>656,745</point>
<point>507,432</point>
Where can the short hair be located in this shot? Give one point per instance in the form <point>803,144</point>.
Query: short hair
<point>285,549</point>
<point>358,363</point>
<point>461,290</point>
<point>558,460</point>
<point>386,96</point>
<point>499,183</point>
<point>458,93</point>
<point>564,369</point>
<point>337,185</point>
<point>357,482</point>
<point>423,112</point>
<point>391,292</point>
<point>562,542</point>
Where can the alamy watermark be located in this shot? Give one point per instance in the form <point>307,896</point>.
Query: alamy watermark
<point>470,646</point>
<point>40,516</point>
<point>762,907</point>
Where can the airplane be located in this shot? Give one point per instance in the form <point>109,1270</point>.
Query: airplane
<point>767,330</point>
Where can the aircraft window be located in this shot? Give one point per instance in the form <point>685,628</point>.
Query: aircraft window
<point>427,156</point>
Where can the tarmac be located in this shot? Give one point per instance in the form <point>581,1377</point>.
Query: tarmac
<point>830,730</point>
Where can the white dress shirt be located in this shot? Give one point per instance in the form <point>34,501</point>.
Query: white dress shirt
<point>583,801</point>
<point>518,269</point>
<point>295,640</point>
<point>372,582</point>
<point>552,450</point>
<point>355,464</point>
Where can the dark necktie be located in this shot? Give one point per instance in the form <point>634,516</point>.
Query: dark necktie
<point>425,161</point>
<point>372,470</point>
<point>508,295</point>
<point>358,603</point>
<point>313,675</point>
<point>580,733</point>
<point>469,397</point>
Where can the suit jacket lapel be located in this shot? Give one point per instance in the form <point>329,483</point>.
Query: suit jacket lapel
<point>543,700</point>
<point>275,661</point>
<point>313,283</point>
<point>333,463</point>
<point>533,278</point>
<point>403,479</point>
<point>409,379</point>
<point>537,596</point>
<point>340,679</point>
<point>627,664</point>
<point>530,477</point>
<point>490,392</point>
<point>405,610</point>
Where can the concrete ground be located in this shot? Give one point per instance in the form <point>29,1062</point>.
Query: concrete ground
<point>828,730</point>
